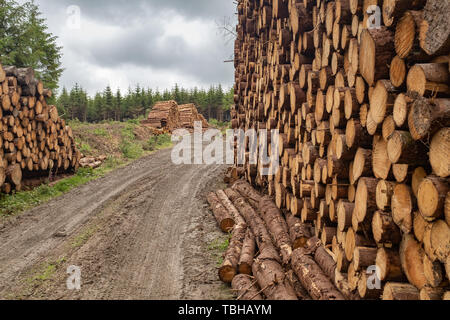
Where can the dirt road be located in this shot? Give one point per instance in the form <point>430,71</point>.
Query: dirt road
<point>141,232</point>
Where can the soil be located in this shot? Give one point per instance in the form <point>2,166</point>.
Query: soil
<point>142,232</point>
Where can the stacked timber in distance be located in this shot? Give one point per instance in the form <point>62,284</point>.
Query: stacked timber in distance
<point>363,114</point>
<point>189,115</point>
<point>34,140</point>
<point>164,115</point>
<point>168,116</point>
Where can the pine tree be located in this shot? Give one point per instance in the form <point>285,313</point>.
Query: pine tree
<point>109,103</point>
<point>63,102</point>
<point>118,105</point>
<point>25,41</point>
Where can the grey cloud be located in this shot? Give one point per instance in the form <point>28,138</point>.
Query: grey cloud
<point>142,43</point>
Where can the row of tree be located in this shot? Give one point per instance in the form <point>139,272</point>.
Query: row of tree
<point>108,105</point>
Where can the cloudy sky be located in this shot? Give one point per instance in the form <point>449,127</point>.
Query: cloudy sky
<point>155,43</point>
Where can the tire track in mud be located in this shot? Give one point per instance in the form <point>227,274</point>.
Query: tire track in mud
<point>145,232</point>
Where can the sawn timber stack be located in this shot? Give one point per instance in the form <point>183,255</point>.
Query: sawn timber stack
<point>363,113</point>
<point>34,140</point>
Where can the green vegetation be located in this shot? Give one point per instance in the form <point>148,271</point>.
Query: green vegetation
<point>218,248</point>
<point>83,237</point>
<point>20,201</point>
<point>85,148</point>
<point>130,148</point>
<point>46,271</point>
<point>101,132</point>
<point>25,41</point>
<point>220,125</point>
<point>158,142</point>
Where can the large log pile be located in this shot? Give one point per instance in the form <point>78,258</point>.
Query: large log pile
<point>164,115</point>
<point>363,116</point>
<point>34,140</point>
<point>189,115</point>
<point>169,116</point>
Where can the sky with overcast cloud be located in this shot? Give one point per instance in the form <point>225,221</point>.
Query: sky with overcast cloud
<point>155,43</point>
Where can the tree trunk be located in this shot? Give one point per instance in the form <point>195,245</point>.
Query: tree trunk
<point>229,267</point>
<point>400,291</point>
<point>245,288</point>
<point>312,277</point>
<point>277,226</point>
<point>223,217</point>
<point>272,280</point>
<point>247,253</point>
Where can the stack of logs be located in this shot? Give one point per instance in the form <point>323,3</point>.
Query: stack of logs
<point>189,115</point>
<point>33,139</point>
<point>164,115</point>
<point>363,113</point>
<point>92,162</point>
<point>168,116</point>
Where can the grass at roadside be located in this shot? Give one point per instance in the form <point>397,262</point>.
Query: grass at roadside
<point>122,142</point>
<point>218,247</point>
<point>222,126</point>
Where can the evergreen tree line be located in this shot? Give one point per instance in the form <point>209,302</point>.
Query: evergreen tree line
<point>75,103</point>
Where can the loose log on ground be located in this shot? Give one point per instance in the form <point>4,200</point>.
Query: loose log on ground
<point>229,267</point>
<point>277,227</point>
<point>256,224</point>
<point>326,262</point>
<point>312,277</point>
<point>301,293</point>
<point>299,232</point>
<point>247,253</point>
<point>246,288</point>
<point>272,280</point>
<point>245,189</point>
<point>223,217</point>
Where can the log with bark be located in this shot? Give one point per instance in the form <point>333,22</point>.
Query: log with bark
<point>246,288</point>
<point>312,277</point>
<point>222,215</point>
